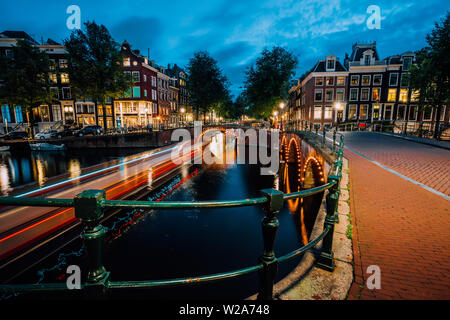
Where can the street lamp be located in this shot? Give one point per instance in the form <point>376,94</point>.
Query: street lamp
<point>281,107</point>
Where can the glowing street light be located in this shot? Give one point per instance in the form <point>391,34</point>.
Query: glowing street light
<point>281,105</point>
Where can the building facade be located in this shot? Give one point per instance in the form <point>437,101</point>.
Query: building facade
<point>139,107</point>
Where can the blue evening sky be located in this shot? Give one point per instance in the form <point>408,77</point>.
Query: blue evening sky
<point>235,32</point>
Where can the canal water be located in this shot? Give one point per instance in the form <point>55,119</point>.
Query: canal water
<point>166,244</point>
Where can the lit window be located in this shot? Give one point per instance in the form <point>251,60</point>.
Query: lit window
<point>340,81</point>
<point>53,78</point>
<point>64,78</point>
<point>330,81</point>
<point>319,81</point>
<point>392,95</point>
<point>352,111</point>
<point>354,80</point>
<point>403,95</point>
<point>317,112</point>
<point>415,95</point>
<point>365,80</point>
<point>363,111</point>
<point>126,62</point>
<point>328,114</point>
<point>340,95</point>
<point>376,94</point>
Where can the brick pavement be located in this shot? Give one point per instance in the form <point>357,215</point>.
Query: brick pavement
<point>399,226</point>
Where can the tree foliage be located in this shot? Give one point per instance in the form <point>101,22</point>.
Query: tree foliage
<point>207,86</point>
<point>267,82</point>
<point>95,65</point>
<point>25,79</point>
<point>431,74</point>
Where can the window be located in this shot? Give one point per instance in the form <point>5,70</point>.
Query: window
<point>403,97</point>
<point>353,94</point>
<point>387,112</point>
<point>145,78</point>
<point>393,79</point>
<point>377,79</point>
<point>5,113</point>
<point>53,78</point>
<point>330,64</point>
<point>442,114</point>
<point>375,94</point>
<point>153,81</point>
<point>329,81</point>
<point>392,95</point>
<point>376,111</point>
<point>56,111</point>
<point>317,112</point>
<point>127,75</point>
<point>319,81</point>
<point>354,80</point>
<point>126,62</point>
<point>52,64</point>
<point>90,108</point>
<point>63,63</point>
<point>427,113</point>
<point>365,81</point>
<point>329,94</point>
<point>145,93</point>
<point>407,61</point>
<point>340,95</point>
<point>64,78</point>
<point>66,93</point>
<point>413,113</point>
<point>136,76</point>
<point>328,114</point>
<point>352,111</point>
<point>365,94</point>
<point>19,115</point>
<point>340,81</point>
<point>401,112</point>
<point>415,95</point>
<point>136,92</point>
<point>9,54</point>
<point>367,59</point>
<point>54,92</point>
<point>363,111</point>
<point>154,97</point>
<point>318,95</point>
<point>404,80</point>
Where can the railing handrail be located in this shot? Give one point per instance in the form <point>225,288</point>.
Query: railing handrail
<point>89,207</point>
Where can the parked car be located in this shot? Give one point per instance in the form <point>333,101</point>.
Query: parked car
<point>16,135</point>
<point>47,134</point>
<point>63,133</point>
<point>89,130</point>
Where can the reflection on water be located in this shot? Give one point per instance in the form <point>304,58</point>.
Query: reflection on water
<point>38,167</point>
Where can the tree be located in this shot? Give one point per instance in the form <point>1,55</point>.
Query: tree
<point>420,79</point>
<point>95,65</point>
<point>207,86</point>
<point>431,74</point>
<point>25,79</point>
<point>439,42</point>
<point>267,82</point>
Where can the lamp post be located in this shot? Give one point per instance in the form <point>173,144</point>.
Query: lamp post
<point>281,113</point>
<point>275,114</point>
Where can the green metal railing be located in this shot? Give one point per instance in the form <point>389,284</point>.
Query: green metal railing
<point>90,204</point>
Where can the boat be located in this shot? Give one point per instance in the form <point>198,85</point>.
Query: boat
<point>46,147</point>
<point>4,148</point>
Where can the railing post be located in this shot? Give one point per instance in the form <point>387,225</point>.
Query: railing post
<point>89,210</point>
<point>270,226</point>
<point>326,258</point>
